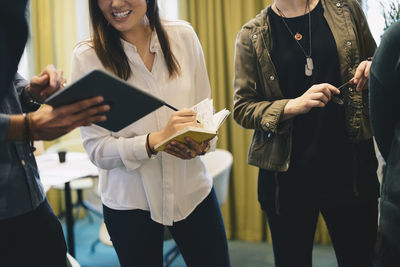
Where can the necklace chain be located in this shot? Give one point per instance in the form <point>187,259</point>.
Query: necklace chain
<point>283,17</point>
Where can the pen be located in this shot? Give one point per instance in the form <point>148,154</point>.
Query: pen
<point>175,109</point>
<point>335,98</point>
<point>343,85</point>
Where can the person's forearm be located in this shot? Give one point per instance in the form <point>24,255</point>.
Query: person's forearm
<point>16,128</point>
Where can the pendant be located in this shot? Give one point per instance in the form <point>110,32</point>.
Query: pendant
<point>298,36</point>
<point>309,66</point>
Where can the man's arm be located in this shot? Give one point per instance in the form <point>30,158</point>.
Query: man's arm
<point>49,123</point>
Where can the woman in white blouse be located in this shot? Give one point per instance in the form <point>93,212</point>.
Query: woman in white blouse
<point>143,191</point>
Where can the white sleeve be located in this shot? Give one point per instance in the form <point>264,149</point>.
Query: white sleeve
<point>201,80</point>
<point>105,149</point>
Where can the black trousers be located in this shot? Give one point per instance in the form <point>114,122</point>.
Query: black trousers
<point>352,226</point>
<point>33,239</point>
<point>138,240</point>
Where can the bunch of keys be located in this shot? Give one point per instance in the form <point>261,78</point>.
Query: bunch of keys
<point>337,99</point>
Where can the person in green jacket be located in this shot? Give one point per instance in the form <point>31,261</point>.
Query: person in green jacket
<point>300,72</point>
<point>384,87</point>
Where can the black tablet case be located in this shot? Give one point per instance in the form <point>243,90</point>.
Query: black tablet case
<point>128,104</point>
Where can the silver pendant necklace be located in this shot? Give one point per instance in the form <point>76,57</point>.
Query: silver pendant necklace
<point>309,62</point>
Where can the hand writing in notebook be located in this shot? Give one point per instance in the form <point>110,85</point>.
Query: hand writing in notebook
<point>179,120</point>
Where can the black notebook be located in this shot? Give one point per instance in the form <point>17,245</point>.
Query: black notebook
<point>128,104</point>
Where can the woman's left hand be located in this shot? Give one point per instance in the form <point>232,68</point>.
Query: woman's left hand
<point>187,151</point>
<point>362,75</point>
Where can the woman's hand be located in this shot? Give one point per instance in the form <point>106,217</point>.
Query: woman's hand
<point>178,121</point>
<point>317,96</point>
<point>362,75</point>
<point>46,83</point>
<point>187,151</point>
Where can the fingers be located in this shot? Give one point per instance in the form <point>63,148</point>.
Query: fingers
<point>185,112</point>
<point>55,76</point>
<point>40,80</point>
<point>84,112</point>
<point>326,88</point>
<point>184,115</point>
<point>362,84</point>
<point>361,76</point>
<point>49,91</point>
<point>180,150</point>
<point>196,147</point>
<point>321,97</point>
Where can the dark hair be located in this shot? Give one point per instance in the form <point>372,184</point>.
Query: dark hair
<point>108,47</point>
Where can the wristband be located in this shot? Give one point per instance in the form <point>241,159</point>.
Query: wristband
<point>148,145</point>
<point>28,100</point>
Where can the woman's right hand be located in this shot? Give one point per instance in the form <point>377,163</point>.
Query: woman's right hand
<point>317,96</point>
<point>178,121</point>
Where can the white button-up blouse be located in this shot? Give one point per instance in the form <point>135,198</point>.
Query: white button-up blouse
<point>169,187</point>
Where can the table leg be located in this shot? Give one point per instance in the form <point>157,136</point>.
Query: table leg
<point>70,220</point>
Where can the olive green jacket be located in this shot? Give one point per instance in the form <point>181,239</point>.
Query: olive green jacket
<point>258,99</point>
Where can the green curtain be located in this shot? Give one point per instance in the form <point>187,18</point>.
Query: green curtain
<point>54,37</point>
<point>217,23</point>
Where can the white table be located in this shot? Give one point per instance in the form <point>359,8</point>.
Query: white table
<point>52,172</point>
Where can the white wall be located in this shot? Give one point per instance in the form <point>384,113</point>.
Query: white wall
<point>375,18</point>
<point>82,20</point>
<point>168,9</point>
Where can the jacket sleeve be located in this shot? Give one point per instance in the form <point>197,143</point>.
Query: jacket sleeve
<point>251,110</point>
<point>384,85</point>
<point>106,150</point>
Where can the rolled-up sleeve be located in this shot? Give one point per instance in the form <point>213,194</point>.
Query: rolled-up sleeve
<point>251,110</point>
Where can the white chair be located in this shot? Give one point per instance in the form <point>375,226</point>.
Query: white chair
<point>219,165</point>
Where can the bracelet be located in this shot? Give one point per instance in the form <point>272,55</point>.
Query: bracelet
<point>28,136</point>
<point>148,145</point>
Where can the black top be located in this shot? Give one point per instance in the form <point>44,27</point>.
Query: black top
<point>321,159</point>
<point>13,36</point>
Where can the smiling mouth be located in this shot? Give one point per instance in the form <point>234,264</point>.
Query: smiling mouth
<point>121,14</point>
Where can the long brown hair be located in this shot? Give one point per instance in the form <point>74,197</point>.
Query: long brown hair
<point>108,47</point>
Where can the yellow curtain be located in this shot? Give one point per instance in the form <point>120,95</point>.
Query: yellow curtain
<point>54,37</point>
<point>217,23</point>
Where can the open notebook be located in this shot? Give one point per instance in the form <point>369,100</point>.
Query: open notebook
<point>208,129</point>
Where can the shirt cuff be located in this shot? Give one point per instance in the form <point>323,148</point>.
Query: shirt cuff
<point>4,124</point>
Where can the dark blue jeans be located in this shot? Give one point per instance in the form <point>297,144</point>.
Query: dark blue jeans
<point>138,240</point>
<point>33,239</point>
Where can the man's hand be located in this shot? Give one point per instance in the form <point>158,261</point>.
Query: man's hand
<point>362,75</point>
<point>46,83</point>
<point>49,123</point>
<point>187,151</point>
